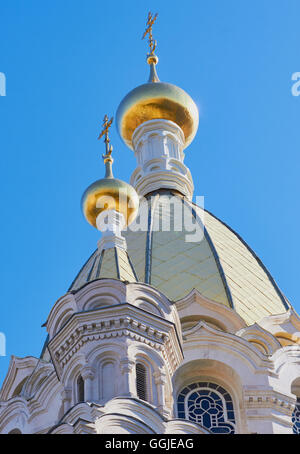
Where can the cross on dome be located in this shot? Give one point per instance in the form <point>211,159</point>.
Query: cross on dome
<point>108,160</point>
<point>148,31</point>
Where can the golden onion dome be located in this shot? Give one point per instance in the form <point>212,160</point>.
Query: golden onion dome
<point>157,100</point>
<point>109,193</point>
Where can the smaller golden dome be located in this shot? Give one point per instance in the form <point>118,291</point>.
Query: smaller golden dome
<point>157,100</point>
<point>109,193</point>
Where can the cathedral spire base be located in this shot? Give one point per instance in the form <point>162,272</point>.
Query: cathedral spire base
<point>158,146</point>
<point>111,223</point>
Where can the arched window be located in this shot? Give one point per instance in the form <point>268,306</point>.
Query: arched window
<point>80,389</point>
<point>296,417</point>
<point>209,405</point>
<point>108,383</point>
<point>141,381</point>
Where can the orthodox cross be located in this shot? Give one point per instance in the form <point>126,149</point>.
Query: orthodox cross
<point>149,23</point>
<point>106,125</point>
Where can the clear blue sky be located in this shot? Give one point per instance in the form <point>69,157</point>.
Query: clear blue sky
<point>69,62</point>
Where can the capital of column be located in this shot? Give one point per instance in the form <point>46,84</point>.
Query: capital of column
<point>88,372</point>
<point>67,394</point>
<point>126,365</point>
<point>159,377</point>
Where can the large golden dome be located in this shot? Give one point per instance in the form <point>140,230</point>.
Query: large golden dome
<point>157,100</point>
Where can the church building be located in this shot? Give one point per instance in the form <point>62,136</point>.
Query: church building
<point>173,325</point>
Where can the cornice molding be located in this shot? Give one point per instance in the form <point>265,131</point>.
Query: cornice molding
<point>268,398</point>
<point>114,322</point>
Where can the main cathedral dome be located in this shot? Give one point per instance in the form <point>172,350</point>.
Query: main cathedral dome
<point>221,266</point>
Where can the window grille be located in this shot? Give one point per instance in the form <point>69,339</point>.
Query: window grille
<point>141,381</point>
<point>207,404</point>
<point>296,417</point>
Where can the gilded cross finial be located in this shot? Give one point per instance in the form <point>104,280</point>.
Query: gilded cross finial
<point>148,31</point>
<point>108,160</point>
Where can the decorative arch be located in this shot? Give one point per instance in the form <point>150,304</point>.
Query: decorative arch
<point>35,381</point>
<point>189,322</point>
<point>105,361</point>
<point>121,424</point>
<point>142,294</point>
<point>263,340</point>
<point>14,416</point>
<point>60,313</point>
<point>61,321</point>
<point>100,300</point>
<point>196,307</point>
<point>110,291</point>
<point>145,353</point>
<point>287,339</point>
<point>149,306</point>
<point>217,378</point>
<point>19,369</point>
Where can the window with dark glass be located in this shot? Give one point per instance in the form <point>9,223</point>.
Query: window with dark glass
<point>207,404</point>
<point>80,389</point>
<point>141,381</point>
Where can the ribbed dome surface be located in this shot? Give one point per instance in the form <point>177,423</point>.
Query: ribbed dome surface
<point>220,265</point>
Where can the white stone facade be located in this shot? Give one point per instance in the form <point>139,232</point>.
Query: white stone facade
<point>103,330</point>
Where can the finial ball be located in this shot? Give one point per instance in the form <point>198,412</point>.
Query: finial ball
<point>152,59</point>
